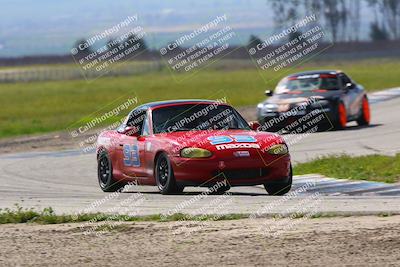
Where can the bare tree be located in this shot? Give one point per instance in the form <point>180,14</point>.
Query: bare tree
<point>279,8</point>
<point>315,6</point>
<point>344,11</point>
<point>387,14</point>
<point>355,22</point>
<point>332,15</point>
<point>391,11</point>
<point>286,12</point>
<point>337,15</point>
<point>377,33</point>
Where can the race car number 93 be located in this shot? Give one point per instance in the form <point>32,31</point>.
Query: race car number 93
<point>131,155</point>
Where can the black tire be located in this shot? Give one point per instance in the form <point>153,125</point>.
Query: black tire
<point>280,189</point>
<point>164,175</point>
<point>105,173</point>
<point>179,188</point>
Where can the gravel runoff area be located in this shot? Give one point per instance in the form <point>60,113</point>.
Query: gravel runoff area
<point>337,241</point>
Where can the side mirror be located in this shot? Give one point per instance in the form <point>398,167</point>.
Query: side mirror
<point>269,92</point>
<point>348,86</point>
<point>254,125</point>
<point>131,131</point>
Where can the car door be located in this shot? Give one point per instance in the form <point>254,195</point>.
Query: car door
<point>132,147</point>
<point>350,97</point>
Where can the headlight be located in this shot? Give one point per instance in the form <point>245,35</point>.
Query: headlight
<point>194,152</point>
<point>267,107</point>
<point>279,149</point>
<point>271,106</point>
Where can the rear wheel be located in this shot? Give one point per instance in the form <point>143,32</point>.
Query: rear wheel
<point>104,173</point>
<point>280,189</point>
<point>164,175</point>
<point>365,116</point>
<point>341,117</point>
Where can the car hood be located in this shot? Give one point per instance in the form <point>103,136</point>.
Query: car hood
<point>301,97</point>
<point>201,139</point>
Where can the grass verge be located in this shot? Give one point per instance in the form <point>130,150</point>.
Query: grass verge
<point>377,168</point>
<point>48,216</point>
<point>39,107</point>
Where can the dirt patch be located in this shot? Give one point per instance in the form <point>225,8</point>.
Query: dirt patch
<point>352,241</point>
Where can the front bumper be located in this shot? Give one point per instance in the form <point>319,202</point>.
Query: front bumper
<point>238,172</point>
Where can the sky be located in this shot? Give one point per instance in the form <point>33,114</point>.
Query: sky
<point>36,27</point>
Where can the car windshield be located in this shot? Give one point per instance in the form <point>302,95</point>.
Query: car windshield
<point>189,117</point>
<point>307,83</point>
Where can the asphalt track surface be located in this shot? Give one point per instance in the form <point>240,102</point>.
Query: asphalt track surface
<point>66,180</point>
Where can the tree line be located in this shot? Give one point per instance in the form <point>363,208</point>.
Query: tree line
<point>342,18</point>
<point>125,45</point>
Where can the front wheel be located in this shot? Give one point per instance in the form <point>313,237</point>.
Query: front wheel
<point>365,114</point>
<point>341,117</point>
<point>280,189</point>
<point>164,175</point>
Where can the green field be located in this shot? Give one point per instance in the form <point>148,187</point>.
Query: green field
<point>39,107</point>
<point>371,168</point>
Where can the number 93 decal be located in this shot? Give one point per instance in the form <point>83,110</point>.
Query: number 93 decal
<point>131,155</point>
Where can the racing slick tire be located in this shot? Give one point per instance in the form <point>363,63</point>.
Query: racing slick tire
<point>341,117</point>
<point>365,114</point>
<point>280,189</point>
<point>164,175</point>
<point>105,173</point>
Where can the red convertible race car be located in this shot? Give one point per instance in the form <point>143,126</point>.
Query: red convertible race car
<point>173,144</point>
